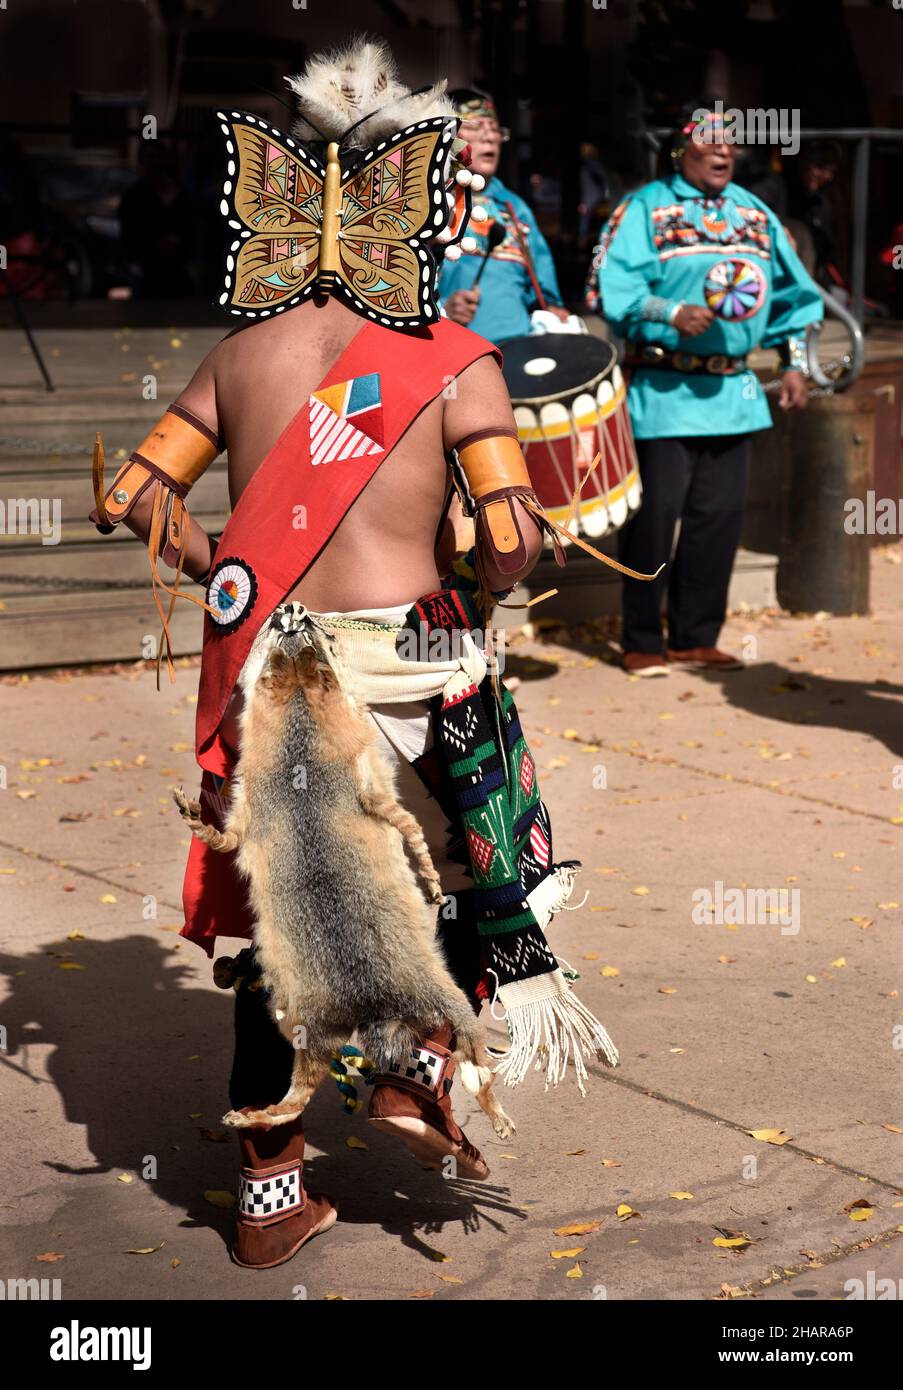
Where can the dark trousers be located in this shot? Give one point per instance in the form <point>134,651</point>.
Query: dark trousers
<point>702,484</point>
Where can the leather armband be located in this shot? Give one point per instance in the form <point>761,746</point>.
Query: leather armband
<point>178,450</point>
<point>490,472</point>
<point>166,465</point>
<point>494,472</point>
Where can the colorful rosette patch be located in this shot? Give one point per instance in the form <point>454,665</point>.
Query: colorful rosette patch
<point>231,594</point>
<point>734,289</point>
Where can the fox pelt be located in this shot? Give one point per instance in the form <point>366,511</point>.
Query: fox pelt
<point>345,85</point>
<point>344,936</point>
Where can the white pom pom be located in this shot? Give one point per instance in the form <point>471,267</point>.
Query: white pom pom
<point>469,243</point>
<point>463,177</point>
<point>479,215</point>
<point>453,253</point>
<point>478,183</point>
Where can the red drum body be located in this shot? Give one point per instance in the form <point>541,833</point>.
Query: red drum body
<point>570,404</point>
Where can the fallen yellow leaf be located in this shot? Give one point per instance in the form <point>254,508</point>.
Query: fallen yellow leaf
<point>624,1212</point>
<point>579,1228</point>
<point>839,963</point>
<point>574,1273</point>
<point>567,1254</point>
<point>641,890</point>
<point>354,1143</point>
<point>770,1136</point>
<point>731,1243</point>
<point>609,971</point>
<point>681,1196</point>
<point>146,1250</point>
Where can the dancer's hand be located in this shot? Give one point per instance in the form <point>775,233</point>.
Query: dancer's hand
<point>462,305</point>
<point>692,320</point>
<point>794,391</point>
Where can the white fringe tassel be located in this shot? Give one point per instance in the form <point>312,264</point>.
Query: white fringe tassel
<point>549,1027</point>
<point>551,894</point>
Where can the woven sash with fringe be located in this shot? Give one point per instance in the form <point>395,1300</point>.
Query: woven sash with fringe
<point>518,885</point>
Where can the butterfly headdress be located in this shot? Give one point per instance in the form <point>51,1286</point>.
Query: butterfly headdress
<point>365,223</point>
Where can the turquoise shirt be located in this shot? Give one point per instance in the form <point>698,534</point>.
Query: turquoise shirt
<point>669,242</point>
<point>507,297</point>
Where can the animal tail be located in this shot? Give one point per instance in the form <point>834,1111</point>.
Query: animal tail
<point>386,808</point>
<point>222,840</point>
<point>388,1042</point>
<point>469,1050</point>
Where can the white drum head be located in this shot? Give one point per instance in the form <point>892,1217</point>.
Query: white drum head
<point>554,413</point>
<point>595,522</point>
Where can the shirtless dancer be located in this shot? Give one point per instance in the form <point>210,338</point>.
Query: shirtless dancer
<point>377,561</point>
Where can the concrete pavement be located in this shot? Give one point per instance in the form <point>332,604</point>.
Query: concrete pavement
<point>788,774</point>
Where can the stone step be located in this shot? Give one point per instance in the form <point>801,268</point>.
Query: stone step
<point>69,481</point>
<point>588,590</point>
<point>59,629</point>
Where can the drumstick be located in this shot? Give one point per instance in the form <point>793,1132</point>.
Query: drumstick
<point>522,243</point>
<point>495,238</point>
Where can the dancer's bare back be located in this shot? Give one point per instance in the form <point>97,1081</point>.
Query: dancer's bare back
<point>253,383</point>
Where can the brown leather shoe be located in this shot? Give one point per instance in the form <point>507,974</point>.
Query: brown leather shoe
<point>707,657</point>
<point>644,664</point>
<point>276,1216</point>
<point>414,1103</point>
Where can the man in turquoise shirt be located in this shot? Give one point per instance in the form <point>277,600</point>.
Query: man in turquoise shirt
<point>500,305</point>
<point>695,272</point>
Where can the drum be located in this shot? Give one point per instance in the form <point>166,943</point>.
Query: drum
<point>570,404</point>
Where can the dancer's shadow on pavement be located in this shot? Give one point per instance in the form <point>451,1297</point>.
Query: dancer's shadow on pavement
<point>768,689</point>
<point>140,1056</point>
<point>795,696</point>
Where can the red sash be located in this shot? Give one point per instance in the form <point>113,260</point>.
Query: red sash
<point>262,535</point>
<point>262,532</point>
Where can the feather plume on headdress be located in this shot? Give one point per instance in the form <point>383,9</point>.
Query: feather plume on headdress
<point>344,85</point>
